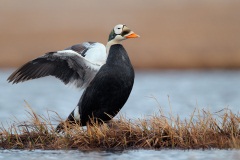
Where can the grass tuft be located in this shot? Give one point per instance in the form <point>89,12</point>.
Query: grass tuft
<point>203,130</point>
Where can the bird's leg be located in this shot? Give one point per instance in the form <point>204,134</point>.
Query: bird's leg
<point>70,120</point>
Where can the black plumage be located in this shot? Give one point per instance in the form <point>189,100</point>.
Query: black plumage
<point>106,73</point>
<point>66,66</point>
<point>109,90</point>
<point>45,66</point>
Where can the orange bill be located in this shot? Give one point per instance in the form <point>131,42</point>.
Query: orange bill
<point>132,35</point>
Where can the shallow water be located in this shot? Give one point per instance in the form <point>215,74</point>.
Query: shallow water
<point>183,91</point>
<point>125,155</point>
<point>179,92</point>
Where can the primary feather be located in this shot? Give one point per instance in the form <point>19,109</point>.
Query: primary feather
<point>77,64</point>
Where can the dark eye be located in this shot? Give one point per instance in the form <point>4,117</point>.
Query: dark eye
<point>119,28</point>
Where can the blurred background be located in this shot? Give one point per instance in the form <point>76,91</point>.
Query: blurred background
<point>174,34</point>
<point>188,54</point>
<point>187,58</point>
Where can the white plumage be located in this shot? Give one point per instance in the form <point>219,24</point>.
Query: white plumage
<point>75,65</point>
<point>108,70</point>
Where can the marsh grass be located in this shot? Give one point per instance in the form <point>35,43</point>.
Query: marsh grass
<point>203,130</point>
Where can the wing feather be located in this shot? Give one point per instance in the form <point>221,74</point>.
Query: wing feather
<point>69,65</point>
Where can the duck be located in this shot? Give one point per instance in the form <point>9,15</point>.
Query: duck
<point>105,73</point>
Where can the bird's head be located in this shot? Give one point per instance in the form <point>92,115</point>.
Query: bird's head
<point>121,32</point>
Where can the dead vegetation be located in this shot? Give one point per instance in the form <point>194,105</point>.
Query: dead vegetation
<point>203,130</point>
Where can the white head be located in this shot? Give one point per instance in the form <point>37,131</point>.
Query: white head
<point>121,32</point>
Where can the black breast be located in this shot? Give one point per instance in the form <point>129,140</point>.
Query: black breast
<point>110,89</point>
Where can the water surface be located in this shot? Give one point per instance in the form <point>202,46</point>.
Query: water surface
<point>183,91</point>
<point>179,92</point>
<point>125,155</point>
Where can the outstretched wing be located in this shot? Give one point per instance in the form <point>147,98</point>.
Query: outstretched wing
<point>77,64</point>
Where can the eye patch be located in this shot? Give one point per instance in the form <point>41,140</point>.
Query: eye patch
<point>125,32</point>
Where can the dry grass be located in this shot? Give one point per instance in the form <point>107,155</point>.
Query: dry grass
<point>203,130</point>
